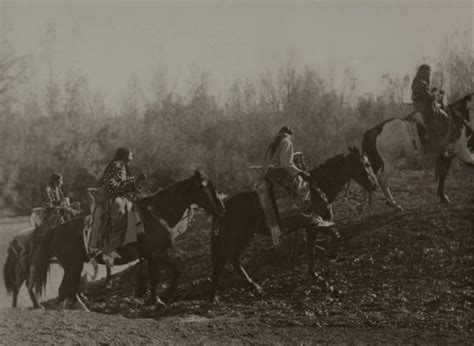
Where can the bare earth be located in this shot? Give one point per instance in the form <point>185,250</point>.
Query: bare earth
<point>400,278</point>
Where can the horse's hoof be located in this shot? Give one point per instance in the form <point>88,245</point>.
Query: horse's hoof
<point>257,288</point>
<point>39,307</point>
<point>445,200</point>
<point>214,300</point>
<point>398,208</point>
<point>159,304</point>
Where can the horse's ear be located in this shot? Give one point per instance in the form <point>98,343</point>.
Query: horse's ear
<point>350,149</point>
<point>355,149</point>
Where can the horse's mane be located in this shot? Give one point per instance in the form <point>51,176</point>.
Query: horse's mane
<point>146,200</point>
<point>462,102</point>
<point>328,164</point>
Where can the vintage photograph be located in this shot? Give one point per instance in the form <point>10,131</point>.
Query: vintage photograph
<point>236,172</point>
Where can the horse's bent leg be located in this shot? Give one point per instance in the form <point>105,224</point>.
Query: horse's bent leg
<point>175,273</point>
<point>238,267</point>
<point>74,286</point>
<point>153,272</point>
<point>383,183</point>
<point>442,169</point>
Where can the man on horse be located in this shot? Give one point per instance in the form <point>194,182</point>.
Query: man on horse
<point>116,220</point>
<point>426,102</point>
<point>284,177</point>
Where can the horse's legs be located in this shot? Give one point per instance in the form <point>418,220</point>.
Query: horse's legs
<point>442,169</point>
<point>33,298</point>
<point>218,266</point>
<point>29,287</point>
<point>108,277</point>
<point>238,267</point>
<point>140,287</point>
<point>153,272</point>
<point>383,183</point>
<point>235,260</point>
<point>310,250</point>
<point>15,297</point>
<point>75,283</point>
<point>175,273</point>
<point>62,291</point>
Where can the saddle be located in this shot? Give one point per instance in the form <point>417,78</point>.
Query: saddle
<point>114,221</point>
<point>432,131</point>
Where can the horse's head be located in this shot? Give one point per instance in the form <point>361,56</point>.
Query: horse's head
<point>462,112</point>
<point>204,194</point>
<point>361,169</point>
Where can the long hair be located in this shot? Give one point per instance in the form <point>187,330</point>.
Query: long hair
<point>55,177</point>
<point>122,155</point>
<point>422,74</point>
<point>284,131</point>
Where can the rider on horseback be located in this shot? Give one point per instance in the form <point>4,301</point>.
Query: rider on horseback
<point>116,198</point>
<point>57,208</point>
<point>283,171</point>
<point>435,119</point>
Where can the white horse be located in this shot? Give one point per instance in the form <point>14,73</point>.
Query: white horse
<point>396,138</point>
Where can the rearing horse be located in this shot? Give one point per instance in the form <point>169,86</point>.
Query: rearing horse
<point>67,244</point>
<point>244,215</point>
<point>389,141</point>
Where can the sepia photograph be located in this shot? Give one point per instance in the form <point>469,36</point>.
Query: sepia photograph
<point>236,172</point>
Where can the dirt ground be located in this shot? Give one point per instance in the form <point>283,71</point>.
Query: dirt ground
<point>400,277</point>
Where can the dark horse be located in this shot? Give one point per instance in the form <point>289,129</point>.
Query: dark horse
<point>244,216</point>
<point>67,244</point>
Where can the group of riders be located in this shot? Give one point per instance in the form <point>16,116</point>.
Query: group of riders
<point>285,178</point>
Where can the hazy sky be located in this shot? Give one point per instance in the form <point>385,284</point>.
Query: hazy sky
<point>110,41</point>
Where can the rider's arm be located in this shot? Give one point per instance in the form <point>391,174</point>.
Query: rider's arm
<point>286,157</point>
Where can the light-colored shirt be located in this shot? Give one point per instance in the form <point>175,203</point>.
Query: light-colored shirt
<point>283,156</point>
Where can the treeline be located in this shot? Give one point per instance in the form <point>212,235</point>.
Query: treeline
<point>67,128</point>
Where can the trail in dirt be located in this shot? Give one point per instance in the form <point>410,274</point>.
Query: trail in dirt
<point>78,327</point>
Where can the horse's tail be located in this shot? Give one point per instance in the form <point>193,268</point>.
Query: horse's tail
<point>42,261</point>
<point>9,269</point>
<point>369,148</point>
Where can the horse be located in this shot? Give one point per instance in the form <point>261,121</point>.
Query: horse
<point>16,269</point>
<point>389,141</point>
<point>168,205</point>
<point>244,216</point>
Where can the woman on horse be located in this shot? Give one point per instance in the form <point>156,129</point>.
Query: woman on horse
<point>117,197</point>
<point>56,207</point>
<point>424,101</point>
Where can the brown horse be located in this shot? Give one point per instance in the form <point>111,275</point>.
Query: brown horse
<point>244,215</point>
<point>16,269</point>
<point>168,205</point>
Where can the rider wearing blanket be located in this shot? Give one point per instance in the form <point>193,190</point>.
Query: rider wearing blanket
<point>435,118</point>
<point>56,210</point>
<point>283,173</point>
<point>116,221</point>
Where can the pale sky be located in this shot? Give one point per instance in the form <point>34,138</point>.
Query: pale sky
<point>109,41</point>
